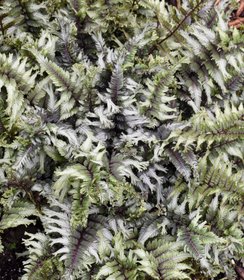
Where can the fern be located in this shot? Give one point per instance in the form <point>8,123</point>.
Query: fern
<point>77,244</point>
<point>156,107</point>
<point>209,58</point>
<point>121,138</point>
<point>61,80</point>
<point>40,264</point>
<point>217,130</point>
<point>16,84</point>
<point>22,15</point>
<point>18,214</point>
<point>168,263</point>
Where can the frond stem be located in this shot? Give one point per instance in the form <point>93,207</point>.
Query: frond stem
<point>172,32</point>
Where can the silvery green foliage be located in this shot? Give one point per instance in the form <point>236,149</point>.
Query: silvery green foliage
<point>127,147</point>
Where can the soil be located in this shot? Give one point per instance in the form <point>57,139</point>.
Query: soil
<point>11,266</point>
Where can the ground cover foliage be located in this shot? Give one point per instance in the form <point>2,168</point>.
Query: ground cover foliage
<point>121,138</point>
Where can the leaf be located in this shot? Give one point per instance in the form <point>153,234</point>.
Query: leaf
<point>179,163</point>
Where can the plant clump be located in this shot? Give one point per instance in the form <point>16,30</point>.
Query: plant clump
<point>122,138</point>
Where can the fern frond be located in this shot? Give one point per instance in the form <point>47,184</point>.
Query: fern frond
<point>16,83</point>
<point>78,246</point>
<point>22,15</point>
<point>18,214</point>
<point>208,57</point>
<point>214,130</point>
<point>180,163</point>
<point>75,172</point>
<point>156,104</point>
<point>17,69</point>
<point>39,264</point>
<point>150,228</point>
<point>116,83</point>
<point>170,263</point>
<point>64,82</point>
